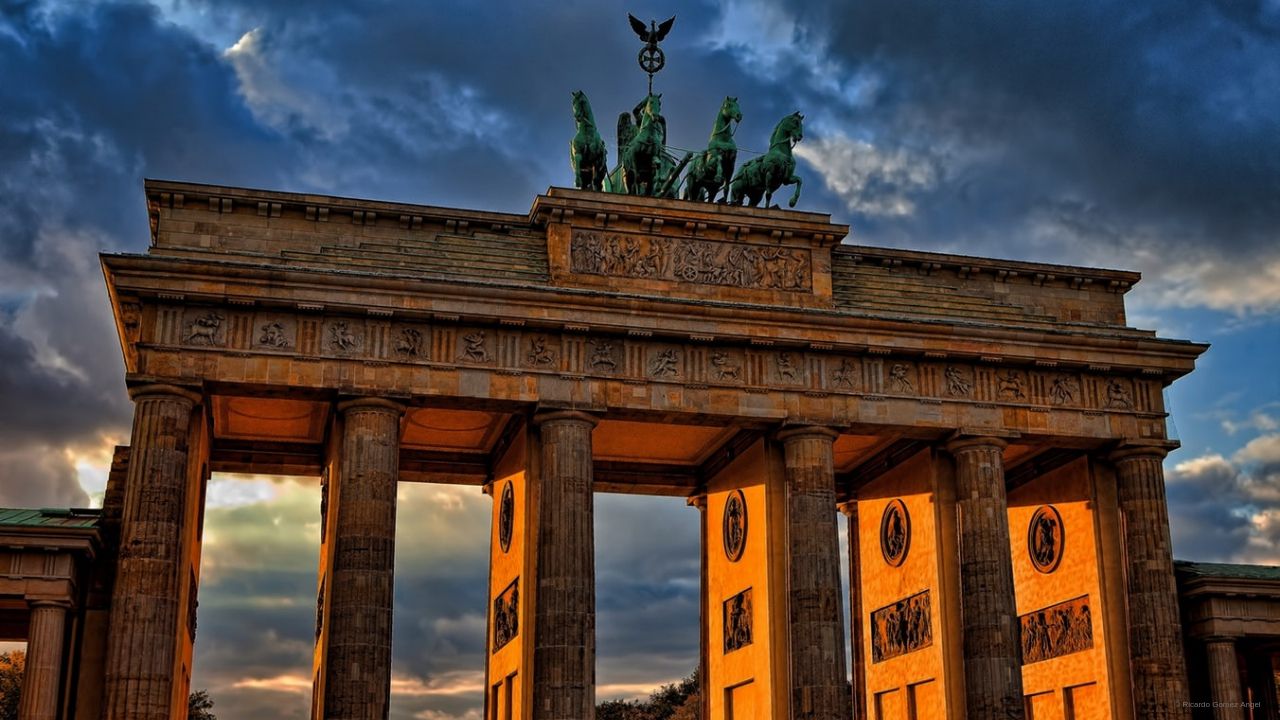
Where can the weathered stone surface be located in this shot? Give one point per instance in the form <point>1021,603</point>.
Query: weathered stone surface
<point>145,619</point>
<point>1224,678</point>
<point>989,616</point>
<point>1155,641</point>
<point>358,654</point>
<point>564,632</point>
<point>818,686</point>
<point>41,681</point>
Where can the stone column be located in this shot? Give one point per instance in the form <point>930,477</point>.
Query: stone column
<point>564,632</point>
<point>819,689</point>
<point>149,576</point>
<point>1155,639</point>
<point>357,656</point>
<point>42,679</point>
<point>989,614</point>
<point>850,510</point>
<point>704,631</point>
<point>1224,678</point>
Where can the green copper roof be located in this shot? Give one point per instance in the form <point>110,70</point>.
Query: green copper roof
<point>1227,570</point>
<point>50,517</point>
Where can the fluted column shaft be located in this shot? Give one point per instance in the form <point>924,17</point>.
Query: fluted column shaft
<point>358,653</point>
<point>989,622</point>
<point>1224,678</point>
<point>819,689</point>
<point>850,510</point>
<point>564,640</point>
<point>1155,639</point>
<point>144,603</point>
<point>41,680</point>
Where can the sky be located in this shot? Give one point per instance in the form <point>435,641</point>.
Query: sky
<point>1134,134</point>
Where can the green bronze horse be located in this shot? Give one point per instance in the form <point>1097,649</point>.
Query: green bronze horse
<point>587,152</point>
<point>761,177</point>
<point>711,169</point>
<point>643,157</point>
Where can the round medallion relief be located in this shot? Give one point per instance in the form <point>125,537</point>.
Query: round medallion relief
<point>506,516</point>
<point>735,525</point>
<point>1045,539</point>
<point>895,533</point>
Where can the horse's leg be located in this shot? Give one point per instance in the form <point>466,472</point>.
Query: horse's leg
<point>794,180</point>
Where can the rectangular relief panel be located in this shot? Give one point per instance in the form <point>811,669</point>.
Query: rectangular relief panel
<point>737,621</point>
<point>1057,630</point>
<point>900,628</point>
<point>506,616</point>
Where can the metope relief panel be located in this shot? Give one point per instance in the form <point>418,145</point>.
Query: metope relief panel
<point>506,615</point>
<point>343,337</point>
<point>700,262</point>
<point>900,628</point>
<point>204,327</point>
<point>409,342</point>
<point>1057,630</point>
<point>274,331</point>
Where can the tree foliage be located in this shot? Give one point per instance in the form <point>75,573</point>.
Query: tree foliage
<point>12,665</point>
<point>677,701</point>
<point>200,706</point>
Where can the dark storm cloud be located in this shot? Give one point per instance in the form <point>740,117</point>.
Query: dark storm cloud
<point>1115,117</point>
<point>1228,509</point>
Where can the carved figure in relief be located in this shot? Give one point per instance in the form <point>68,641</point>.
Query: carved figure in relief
<point>506,616</point>
<point>957,384</point>
<point>204,329</point>
<point>539,355</point>
<point>900,628</point>
<point>1045,539</point>
<point>341,338</point>
<point>737,621</point>
<point>665,364</point>
<point>473,349</point>
<point>602,355</point>
<point>735,525</point>
<point>724,366</point>
<point>1118,395</point>
<point>786,366</point>
<point>274,335</point>
<point>1011,385</point>
<point>1064,389</point>
<point>1057,630</point>
<point>688,260</point>
<point>843,375</point>
<point>895,533</point>
<point>409,342</point>
<point>506,516</point>
<point>899,378</point>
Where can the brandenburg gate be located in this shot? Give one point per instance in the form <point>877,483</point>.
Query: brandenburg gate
<point>990,431</point>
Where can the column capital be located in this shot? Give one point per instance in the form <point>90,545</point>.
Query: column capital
<point>959,443</point>
<point>1219,640</point>
<point>697,501</point>
<point>1130,450</point>
<point>140,391</point>
<point>371,403</point>
<point>546,416</point>
<point>791,432</point>
<point>848,508</point>
<point>63,604</point>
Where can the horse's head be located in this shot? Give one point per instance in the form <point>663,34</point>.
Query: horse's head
<point>582,108</point>
<point>729,109</point>
<point>790,130</point>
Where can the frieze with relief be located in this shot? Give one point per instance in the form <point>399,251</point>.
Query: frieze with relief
<point>1057,630</point>
<point>701,262</point>
<point>644,359</point>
